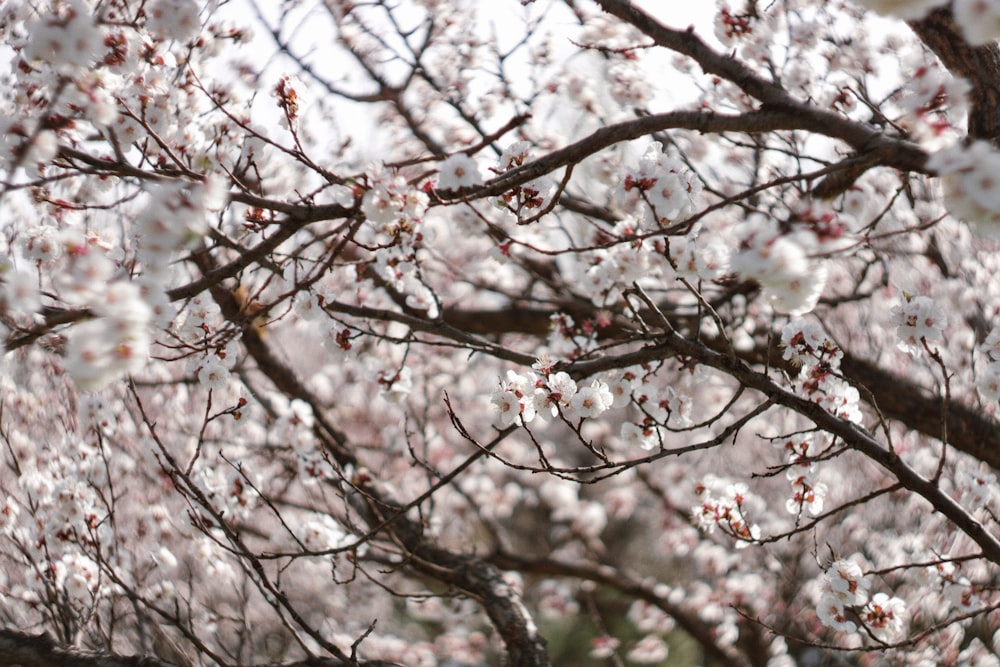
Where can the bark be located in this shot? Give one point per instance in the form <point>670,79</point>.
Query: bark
<point>980,66</point>
<point>852,435</point>
<point>896,397</point>
<point>473,575</point>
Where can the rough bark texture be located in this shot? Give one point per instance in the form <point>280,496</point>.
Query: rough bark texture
<point>980,66</point>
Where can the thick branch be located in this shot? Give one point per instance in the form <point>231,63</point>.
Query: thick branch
<point>613,578</point>
<point>896,397</point>
<point>687,43</point>
<point>473,575</point>
<point>851,434</point>
<point>980,66</point>
<point>881,148</point>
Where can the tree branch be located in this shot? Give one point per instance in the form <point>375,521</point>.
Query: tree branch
<point>620,581</point>
<point>980,66</point>
<point>473,575</point>
<point>877,145</point>
<point>19,649</point>
<point>897,398</point>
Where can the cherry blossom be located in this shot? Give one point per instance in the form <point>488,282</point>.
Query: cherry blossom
<point>649,649</point>
<point>173,19</point>
<point>918,321</point>
<point>885,617</point>
<point>979,20</point>
<point>435,333</point>
<point>591,401</point>
<point>904,9</point>
<point>458,171</point>
<point>603,647</point>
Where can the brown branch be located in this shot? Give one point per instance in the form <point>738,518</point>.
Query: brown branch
<point>852,435</point>
<point>970,431</point>
<point>687,43</point>
<point>19,649</point>
<point>260,251</point>
<point>54,317</point>
<point>879,147</point>
<point>614,578</point>
<point>980,66</point>
<point>473,575</point>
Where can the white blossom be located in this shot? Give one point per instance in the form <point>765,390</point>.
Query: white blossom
<point>885,617</point>
<point>918,320</point>
<point>905,9</point>
<point>978,19</point>
<point>458,171</point>
<point>173,19</point>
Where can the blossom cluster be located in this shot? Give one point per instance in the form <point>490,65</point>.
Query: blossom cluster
<point>522,397</point>
<point>918,320</point>
<point>934,99</point>
<point>396,211</point>
<point>525,201</point>
<point>115,341</point>
<point>59,518</point>
<point>651,649</point>
<point>174,219</point>
<point>807,344</point>
<point>88,69</point>
<point>724,506</point>
<point>780,262</point>
<point>808,493</point>
<point>959,592</point>
<point>664,184</point>
<point>970,176</point>
<point>844,604</point>
<point>585,517</point>
<point>704,257</point>
<point>67,37</point>
<point>612,270</point>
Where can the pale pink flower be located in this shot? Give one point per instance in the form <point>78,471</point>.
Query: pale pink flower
<point>562,388</point>
<point>846,582</point>
<point>917,321</point>
<point>806,342</point>
<point>978,19</point>
<point>649,649</point>
<point>885,617</point>
<point>19,291</point>
<point>173,19</point>
<point>988,381</point>
<point>514,155</point>
<point>213,374</point>
<point>603,646</point>
<point>832,614</point>
<point>67,39</point>
<point>458,171</point>
<point>589,402</point>
<point>9,510</point>
<point>507,405</point>
<point>633,435</point>
<point>381,205</point>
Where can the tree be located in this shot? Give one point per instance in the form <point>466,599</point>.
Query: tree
<point>435,333</point>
